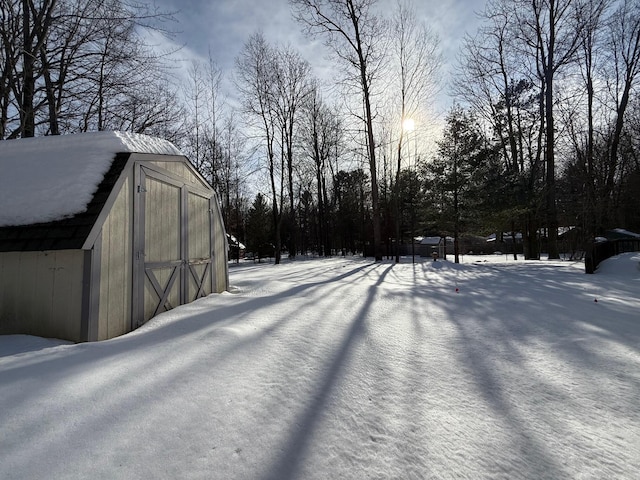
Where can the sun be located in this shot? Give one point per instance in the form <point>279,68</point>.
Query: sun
<point>408,124</point>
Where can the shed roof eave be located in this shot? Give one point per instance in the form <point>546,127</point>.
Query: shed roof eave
<point>123,174</point>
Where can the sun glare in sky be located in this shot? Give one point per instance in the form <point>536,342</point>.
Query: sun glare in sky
<point>408,124</point>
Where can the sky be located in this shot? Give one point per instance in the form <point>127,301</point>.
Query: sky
<point>223,26</point>
<point>346,368</point>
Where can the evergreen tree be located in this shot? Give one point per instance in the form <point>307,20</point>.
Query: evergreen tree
<point>452,174</point>
<point>259,231</point>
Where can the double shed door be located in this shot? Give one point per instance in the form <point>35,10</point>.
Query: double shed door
<point>174,244</point>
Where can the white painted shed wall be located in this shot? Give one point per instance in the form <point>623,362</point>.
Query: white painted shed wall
<point>41,293</point>
<point>115,244</point>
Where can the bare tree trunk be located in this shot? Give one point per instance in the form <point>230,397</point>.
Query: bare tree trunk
<point>553,34</point>
<point>54,128</point>
<point>396,200</point>
<point>10,25</point>
<point>592,220</point>
<point>27,112</point>
<point>552,210</point>
<point>255,67</point>
<point>373,168</point>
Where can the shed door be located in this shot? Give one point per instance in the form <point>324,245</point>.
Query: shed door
<point>199,253</point>
<point>174,244</point>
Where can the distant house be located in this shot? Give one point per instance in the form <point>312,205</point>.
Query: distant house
<point>237,249</point>
<point>504,242</point>
<point>621,234</point>
<point>429,245</point>
<point>100,232</point>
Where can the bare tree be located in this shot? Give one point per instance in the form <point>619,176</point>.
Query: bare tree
<point>417,59</point>
<point>624,28</point>
<point>590,47</point>
<point>590,63</point>
<point>321,136</point>
<point>230,171</point>
<point>218,168</point>
<point>36,23</point>
<point>10,53</point>
<point>255,70</point>
<point>76,65</point>
<point>196,103</point>
<point>503,86</point>
<point>551,31</point>
<point>152,109</point>
<point>485,77</point>
<point>292,82</point>
<point>353,32</point>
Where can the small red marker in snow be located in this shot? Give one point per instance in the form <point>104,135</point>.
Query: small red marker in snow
<point>457,290</point>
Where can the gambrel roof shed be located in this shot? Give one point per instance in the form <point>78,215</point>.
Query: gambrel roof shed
<point>99,232</point>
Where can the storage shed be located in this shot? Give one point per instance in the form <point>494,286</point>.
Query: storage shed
<point>99,232</point>
<point>429,245</point>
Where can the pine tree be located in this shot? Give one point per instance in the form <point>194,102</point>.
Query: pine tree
<point>259,231</point>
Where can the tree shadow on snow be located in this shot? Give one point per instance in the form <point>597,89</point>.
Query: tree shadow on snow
<point>287,464</point>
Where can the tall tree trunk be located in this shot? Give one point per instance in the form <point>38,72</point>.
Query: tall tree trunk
<point>276,214</point>
<point>27,112</point>
<point>397,189</point>
<point>552,211</point>
<point>373,170</point>
<point>54,128</point>
<point>591,221</point>
<point>292,207</point>
<point>351,20</point>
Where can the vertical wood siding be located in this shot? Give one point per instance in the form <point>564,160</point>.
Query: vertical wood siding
<point>41,293</point>
<point>116,268</point>
<point>220,248</point>
<point>182,170</point>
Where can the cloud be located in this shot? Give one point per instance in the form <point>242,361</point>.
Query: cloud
<point>223,26</point>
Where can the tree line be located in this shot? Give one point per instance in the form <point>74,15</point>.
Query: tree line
<point>544,134</point>
<point>551,88</point>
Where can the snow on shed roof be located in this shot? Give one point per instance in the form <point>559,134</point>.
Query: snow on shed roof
<point>44,179</point>
<point>431,241</point>
<point>623,233</point>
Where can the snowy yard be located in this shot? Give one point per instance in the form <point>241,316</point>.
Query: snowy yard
<point>346,369</point>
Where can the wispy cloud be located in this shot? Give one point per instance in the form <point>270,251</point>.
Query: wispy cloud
<point>223,26</point>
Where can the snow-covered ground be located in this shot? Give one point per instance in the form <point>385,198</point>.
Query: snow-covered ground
<point>346,369</point>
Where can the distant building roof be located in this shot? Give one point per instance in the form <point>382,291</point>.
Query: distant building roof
<point>620,233</point>
<point>430,241</point>
<point>506,237</point>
